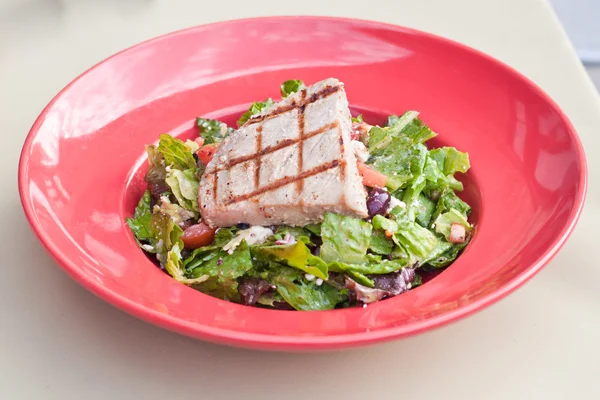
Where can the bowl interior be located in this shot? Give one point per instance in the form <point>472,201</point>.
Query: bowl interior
<point>82,166</point>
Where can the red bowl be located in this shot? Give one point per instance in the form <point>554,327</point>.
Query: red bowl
<point>81,167</point>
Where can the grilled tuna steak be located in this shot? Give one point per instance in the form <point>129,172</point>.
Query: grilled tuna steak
<point>287,165</point>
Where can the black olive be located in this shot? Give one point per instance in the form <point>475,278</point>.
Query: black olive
<point>378,202</point>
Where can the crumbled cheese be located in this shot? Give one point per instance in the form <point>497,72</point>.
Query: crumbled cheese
<point>147,247</point>
<point>309,277</point>
<point>252,235</point>
<point>360,151</point>
<point>394,202</point>
<point>319,282</point>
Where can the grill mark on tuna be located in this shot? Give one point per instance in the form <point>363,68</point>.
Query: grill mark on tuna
<point>216,184</point>
<point>279,146</point>
<point>326,91</point>
<point>300,182</point>
<point>288,180</point>
<point>258,159</point>
<point>342,149</point>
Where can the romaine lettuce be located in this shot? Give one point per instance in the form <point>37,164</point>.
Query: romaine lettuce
<point>175,153</point>
<point>140,222</point>
<point>303,295</point>
<point>298,256</point>
<point>255,108</point>
<point>345,239</point>
<point>219,273</point>
<point>291,86</point>
<point>184,186</point>
<point>212,131</point>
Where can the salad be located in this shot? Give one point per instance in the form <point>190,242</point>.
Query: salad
<point>396,216</point>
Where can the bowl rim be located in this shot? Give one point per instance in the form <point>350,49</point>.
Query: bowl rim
<point>273,342</point>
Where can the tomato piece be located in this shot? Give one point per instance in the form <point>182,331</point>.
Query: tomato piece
<point>371,177</point>
<point>206,152</point>
<point>198,235</point>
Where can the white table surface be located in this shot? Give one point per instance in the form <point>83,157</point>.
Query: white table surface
<point>57,341</point>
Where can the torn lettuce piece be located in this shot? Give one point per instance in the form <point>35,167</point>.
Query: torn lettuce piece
<point>165,234</point>
<point>443,223</point>
<point>397,151</point>
<point>399,163</point>
<point>415,239</point>
<point>303,295</point>
<point>298,256</point>
<point>450,160</point>
<point>174,267</point>
<point>139,223</point>
<point>345,239</point>
<point>347,269</point>
<point>358,119</point>
<point>385,224</point>
<point>380,244</point>
<point>296,231</point>
<point>212,131</point>
<point>255,108</point>
<point>291,86</point>
<point>411,237</point>
<point>377,268</point>
<point>175,153</point>
<point>219,273</point>
<point>409,126</point>
<point>449,256</point>
<point>315,229</point>
<point>423,209</point>
<point>392,119</point>
<point>448,200</point>
<point>224,236</point>
<point>184,186</point>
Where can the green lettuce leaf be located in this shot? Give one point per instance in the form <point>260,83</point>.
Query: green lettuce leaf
<point>295,231</point>
<point>416,239</point>
<point>411,128</point>
<point>385,224</point>
<point>212,131</point>
<point>174,267</point>
<point>224,236</point>
<point>444,222</point>
<point>298,256</point>
<point>359,277</point>
<point>448,200</point>
<point>446,258</point>
<point>291,86</point>
<point>165,233</point>
<point>219,273</point>
<point>358,119</point>
<point>450,160</point>
<point>345,239</point>
<point>378,268</point>
<point>140,223</point>
<point>184,186</point>
<point>411,237</point>
<point>303,295</point>
<point>175,153</point>
<point>315,229</point>
<point>423,209</point>
<point>397,151</point>
<point>255,108</point>
<point>399,163</point>
<point>380,244</point>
